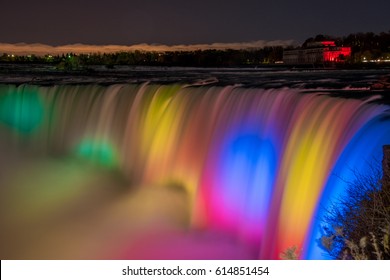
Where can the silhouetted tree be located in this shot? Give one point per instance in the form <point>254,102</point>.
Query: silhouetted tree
<point>358,223</point>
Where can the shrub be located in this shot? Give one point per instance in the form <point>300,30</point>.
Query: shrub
<point>358,224</point>
<point>291,253</point>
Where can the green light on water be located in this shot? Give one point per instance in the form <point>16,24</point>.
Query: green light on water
<point>21,110</point>
<point>100,152</point>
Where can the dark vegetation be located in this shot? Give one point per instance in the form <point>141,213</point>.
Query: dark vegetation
<point>199,58</point>
<point>358,226</point>
<point>365,46</point>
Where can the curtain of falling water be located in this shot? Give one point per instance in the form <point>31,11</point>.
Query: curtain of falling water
<point>256,164</point>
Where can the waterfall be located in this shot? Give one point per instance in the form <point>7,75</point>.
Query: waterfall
<point>258,166</point>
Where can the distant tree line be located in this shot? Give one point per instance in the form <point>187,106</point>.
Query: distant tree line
<point>365,46</point>
<point>198,58</point>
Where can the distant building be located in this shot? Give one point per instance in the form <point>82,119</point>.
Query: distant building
<point>317,53</point>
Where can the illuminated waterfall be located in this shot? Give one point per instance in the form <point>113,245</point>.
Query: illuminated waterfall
<point>258,165</point>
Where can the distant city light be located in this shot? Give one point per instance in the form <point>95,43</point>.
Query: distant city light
<point>376,60</point>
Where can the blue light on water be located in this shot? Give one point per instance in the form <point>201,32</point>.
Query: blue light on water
<point>247,175</point>
<point>364,150</point>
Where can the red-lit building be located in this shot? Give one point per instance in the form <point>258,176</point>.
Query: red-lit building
<point>317,53</point>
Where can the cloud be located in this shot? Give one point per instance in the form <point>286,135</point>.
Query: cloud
<point>41,49</point>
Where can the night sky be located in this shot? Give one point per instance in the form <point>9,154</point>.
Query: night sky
<point>127,22</point>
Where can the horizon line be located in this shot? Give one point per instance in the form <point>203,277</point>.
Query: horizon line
<point>80,48</point>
